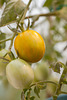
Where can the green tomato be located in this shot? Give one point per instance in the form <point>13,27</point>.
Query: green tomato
<point>3,62</point>
<point>51,88</point>
<point>41,71</point>
<point>19,74</point>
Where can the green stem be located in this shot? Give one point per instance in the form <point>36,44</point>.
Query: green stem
<point>4,59</point>
<point>43,82</point>
<point>63,92</point>
<point>12,41</point>
<point>43,15</point>
<point>5,40</point>
<point>23,14</point>
<point>59,85</point>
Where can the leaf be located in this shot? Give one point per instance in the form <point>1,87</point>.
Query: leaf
<point>37,91</point>
<point>2,36</point>
<point>56,67</point>
<point>48,3</point>
<point>63,13</point>
<point>11,11</point>
<point>42,87</point>
<point>1,3</point>
<point>32,98</point>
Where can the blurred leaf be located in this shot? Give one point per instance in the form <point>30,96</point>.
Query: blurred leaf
<point>58,53</point>
<point>56,67</point>
<point>63,13</point>
<point>42,87</point>
<point>48,3</point>
<point>37,91</point>
<point>32,98</point>
<point>1,3</point>
<point>2,36</point>
<point>11,11</point>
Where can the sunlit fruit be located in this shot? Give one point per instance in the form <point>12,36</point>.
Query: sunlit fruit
<point>3,62</point>
<point>19,74</point>
<point>41,71</point>
<point>29,46</point>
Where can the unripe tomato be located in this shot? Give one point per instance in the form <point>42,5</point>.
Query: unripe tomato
<point>3,62</point>
<point>51,88</point>
<point>29,46</point>
<point>19,74</point>
<point>41,71</point>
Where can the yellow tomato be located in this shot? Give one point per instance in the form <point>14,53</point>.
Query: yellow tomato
<point>29,46</point>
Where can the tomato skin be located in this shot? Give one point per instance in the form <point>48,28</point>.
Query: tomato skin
<point>19,74</point>
<point>30,46</point>
<point>3,63</point>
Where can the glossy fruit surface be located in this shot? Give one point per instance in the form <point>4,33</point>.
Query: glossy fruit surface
<point>30,46</point>
<point>19,74</point>
<point>3,62</point>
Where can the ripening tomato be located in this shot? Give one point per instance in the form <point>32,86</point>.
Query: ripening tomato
<point>29,46</point>
<point>19,74</point>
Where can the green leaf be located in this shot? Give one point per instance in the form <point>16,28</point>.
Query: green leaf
<point>42,87</point>
<point>2,36</point>
<point>37,91</point>
<point>1,3</point>
<point>56,67</point>
<point>48,3</point>
<point>32,98</point>
<point>11,11</point>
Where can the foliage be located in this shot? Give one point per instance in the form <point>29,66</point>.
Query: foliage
<point>15,12</point>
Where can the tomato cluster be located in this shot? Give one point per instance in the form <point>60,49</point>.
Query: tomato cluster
<point>29,47</point>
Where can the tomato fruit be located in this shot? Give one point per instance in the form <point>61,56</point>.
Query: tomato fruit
<point>19,74</point>
<point>41,71</point>
<point>29,46</point>
<point>51,88</point>
<point>3,62</point>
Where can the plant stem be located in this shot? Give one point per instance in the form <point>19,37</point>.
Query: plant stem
<point>43,82</point>
<point>59,85</point>
<point>23,14</point>
<point>42,15</point>
<point>5,40</point>
<point>63,92</point>
<point>12,41</point>
<point>4,59</point>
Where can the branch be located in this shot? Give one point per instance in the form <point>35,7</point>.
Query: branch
<point>5,40</point>
<point>43,82</point>
<point>23,14</point>
<point>4,58</point>
<point>63,92</point>
<point>43,15</point>
<point>21,17</point>
<point>59,85</point>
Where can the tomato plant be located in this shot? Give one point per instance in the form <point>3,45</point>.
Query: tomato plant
<point>36,49</point>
